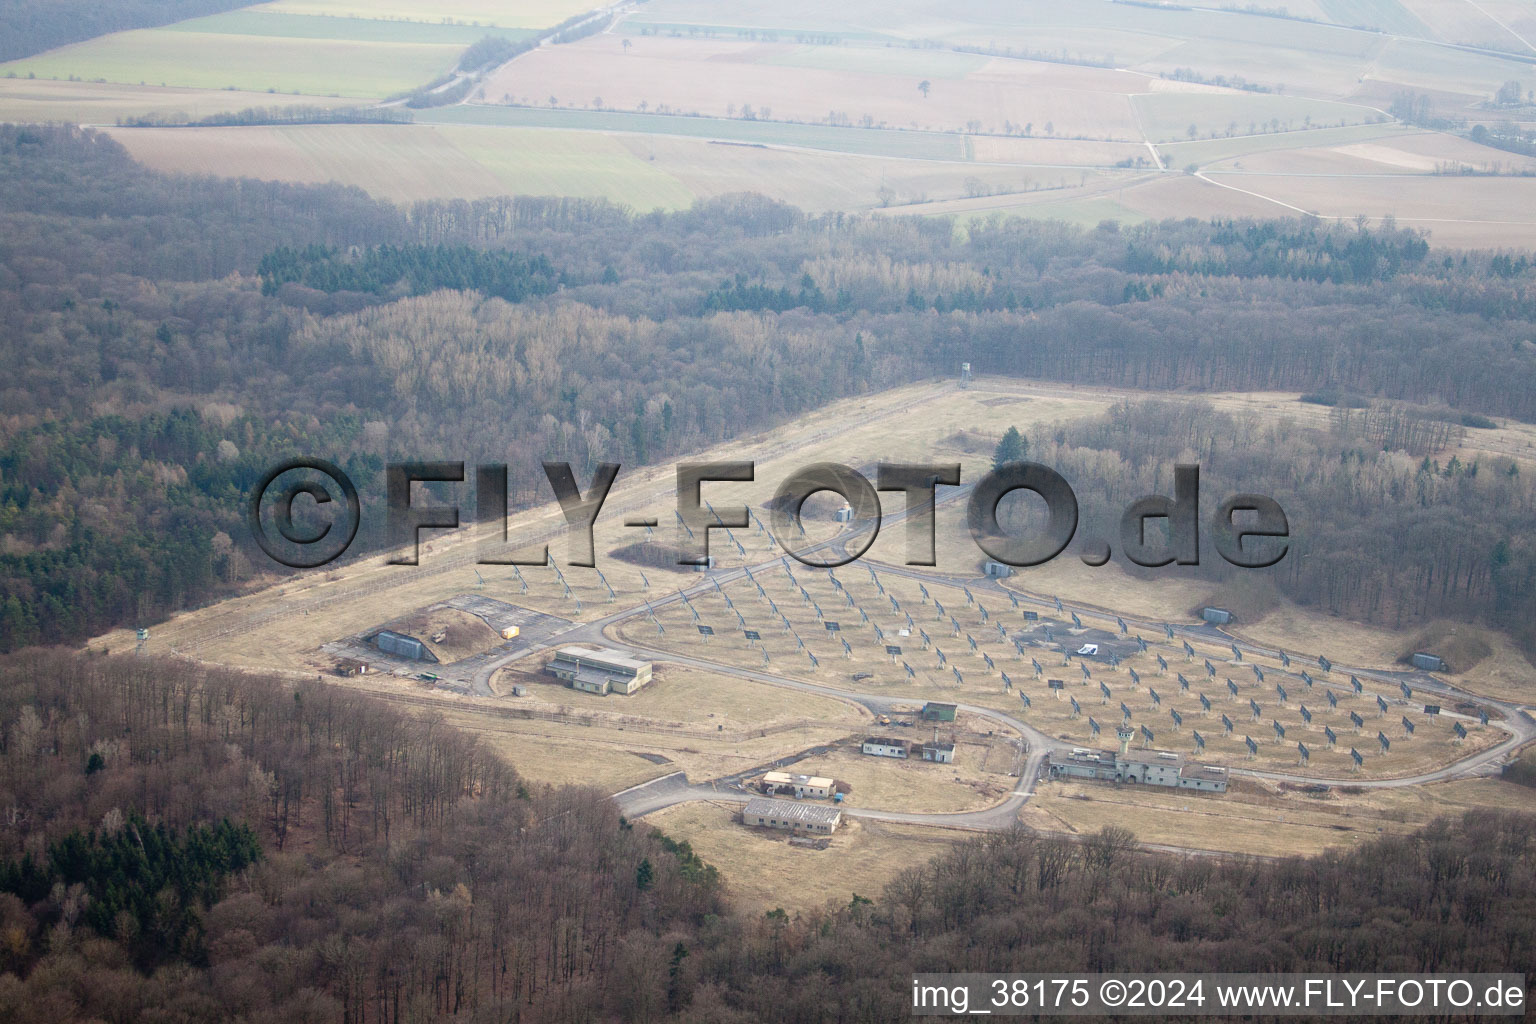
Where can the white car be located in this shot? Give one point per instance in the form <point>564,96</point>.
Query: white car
<point>1089,649</point>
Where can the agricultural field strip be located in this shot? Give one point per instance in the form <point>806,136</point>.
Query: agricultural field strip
<point>741,133</point>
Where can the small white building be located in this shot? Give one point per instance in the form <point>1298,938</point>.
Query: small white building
<point>942,753</point>
<point>791,816</point>
<point>814,786</point>
<point>884,746</point>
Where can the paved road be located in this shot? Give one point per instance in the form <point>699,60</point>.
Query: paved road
<point>675,789</point>
<point>1000,816</point>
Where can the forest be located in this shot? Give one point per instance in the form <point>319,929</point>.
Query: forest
<point>1388,530</point>
<point>168,338</point>
<point>324,857</point>
<point>27,28</point>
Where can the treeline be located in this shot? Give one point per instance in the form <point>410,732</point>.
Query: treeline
<point>579,26</point>
<point>492,51</point>
<point>429,880</point>
<point>254,321</point>
<point>28,26</point>
<point>1385,527</point>
<point>1453,897</point>
<point>1278,249</point>
<point>404,873</point>
<point>408,269</point>
<point>300,114</point>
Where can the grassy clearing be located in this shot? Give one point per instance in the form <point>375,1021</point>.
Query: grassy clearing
<point>764,871</point>
<point>208,60</point>
<point>892,785</point>
<point>609,757</point>
<point>1260,819</point>
<point>691,698</point>
<point>1072,206</point>
<point>585,164</point>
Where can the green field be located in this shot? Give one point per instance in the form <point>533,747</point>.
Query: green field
<point>1387,15</point>
<point>208,60</point>
<point>275,24</point>
<point>1179,154</point>
<point>587,164</point>
<point>523,14</point>
<point>1084,213</point>
<point>859,141</point>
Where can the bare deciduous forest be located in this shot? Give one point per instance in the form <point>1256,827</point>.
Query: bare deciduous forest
<point>404,873</point>
<point>169,338</point>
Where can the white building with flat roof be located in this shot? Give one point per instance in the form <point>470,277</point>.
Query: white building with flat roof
<point>599,670</point>
<point>884,746</point>
<point>814,786</point>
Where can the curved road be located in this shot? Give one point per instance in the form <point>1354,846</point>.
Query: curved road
<point>674,789</point>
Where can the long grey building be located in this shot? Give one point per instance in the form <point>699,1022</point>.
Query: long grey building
<point>599,670</point>
<point>1152,768</point>
<point>792,816</point>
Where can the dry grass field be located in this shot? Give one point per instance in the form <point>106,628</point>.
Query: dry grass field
<point>893,785</point>
<point>764,871</point>
<point>523,14</point>
<point>23,99</point>
<point>685,698</point>
<point>1261,819</point>
<point>1486,203</point>
<point>209,60</point>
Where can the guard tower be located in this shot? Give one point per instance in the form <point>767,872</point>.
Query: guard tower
<point>1125,733</point>
<point>965,375</point>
